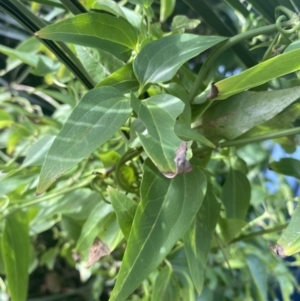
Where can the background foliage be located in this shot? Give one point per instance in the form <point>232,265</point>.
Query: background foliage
<point>131,153</point>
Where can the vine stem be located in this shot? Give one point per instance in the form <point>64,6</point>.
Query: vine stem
<point>226,45</point>
<point>259,138</point>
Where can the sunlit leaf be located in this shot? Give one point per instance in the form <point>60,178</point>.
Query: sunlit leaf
<point>166,9</point>
<point>103,31</point>
<point>259,74</point>
<point>159,60</point>
<point>85,130</point>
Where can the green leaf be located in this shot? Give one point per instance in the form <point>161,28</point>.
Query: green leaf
<point>159,61</point>
<point>197,240</point>
<point>84,131</point>
<point>182,23</point>
<point>166,286</point>
<point>293,46</point>
<point>159,113</point>
<point>109,6</point>
<point>236,194</point>
<point>43,63</point>
<point>166,10</point>
<point>289,242</point>
<point>143,3</point>
<point>15,248</point>
<point>37,152</point>
<point>123,79</point>
<point>184,132</point>
<point>287,166</point>
<point>103,31</point>
<point>125,209</point>
<point>258,272</point>
<point>99,64</point>
<point>92,227</point>
<point>259,74</point>
<point>238,114</point>
<point>166,211</point>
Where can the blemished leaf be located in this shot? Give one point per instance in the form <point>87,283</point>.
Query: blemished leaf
<point>236,194</point>
<point>15,248</point>
<point>238,114</point>
<point>197,240</point>
<point>125,209</point>
<point>37,152</point>
<point>184,132</point>
<point>258,271</point>
<point>182,23</point>
<point>289,241</point>
<point>166,286</point>
<point>97,250</point>
<point>99,64</point>
<point>109,6</point>
<point>159,60</point>
<point>123,79</point>
<point>259,74</point>
<point>159,113</point>
<point>92,227</point>
<point>84,131</point>
<point>287,166</point>
<point>166,9</point>
<point>166,211</point>
<point>112,34</point>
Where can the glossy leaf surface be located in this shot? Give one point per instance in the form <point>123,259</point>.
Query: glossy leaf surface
<point>16,247</point>
<point>164,214</point>
<point>159,61</point>
<point>259,74</point>
<point>99,114</point>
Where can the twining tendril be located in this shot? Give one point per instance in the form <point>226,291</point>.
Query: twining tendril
<point>288,15</point>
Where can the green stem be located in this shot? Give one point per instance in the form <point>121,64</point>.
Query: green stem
<point>47,197</point>
<point>259,138</point>
<point>229,43</point>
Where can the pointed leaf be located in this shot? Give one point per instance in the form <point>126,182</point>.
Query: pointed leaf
<point>166,286</point>
<point>159,61</point>
<point>109,6</point>
<point>197,240</point>
<point>287,166</point>
<point>125,209</point>
<point>109,33</point>
<point>166,211</point>
<point>15,248</point>
<point>159,113</point>
<point>238,114</point>
<point>236,194</point>
<point>259,74</point>
<point>166,10</point>
<point>289,242</point>
<point>99,114</point>
<point>123,79</point>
